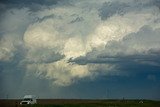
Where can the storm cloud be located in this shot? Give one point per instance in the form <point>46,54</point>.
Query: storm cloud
<point>59,44</point>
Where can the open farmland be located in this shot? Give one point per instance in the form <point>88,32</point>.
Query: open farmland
<point>82,103</point>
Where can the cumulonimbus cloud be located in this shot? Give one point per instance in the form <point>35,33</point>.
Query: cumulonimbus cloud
<point>56,38</point>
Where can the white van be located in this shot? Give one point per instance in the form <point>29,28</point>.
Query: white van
<point>29,99</point>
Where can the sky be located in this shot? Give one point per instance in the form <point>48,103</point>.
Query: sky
<point>83,49</point>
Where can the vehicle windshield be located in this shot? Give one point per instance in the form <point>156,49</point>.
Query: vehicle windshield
<point>27,99</point>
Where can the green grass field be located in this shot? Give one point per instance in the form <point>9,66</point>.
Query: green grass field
<point>83,103</point>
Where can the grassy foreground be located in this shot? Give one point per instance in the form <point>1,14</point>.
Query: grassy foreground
<point>83,103</point>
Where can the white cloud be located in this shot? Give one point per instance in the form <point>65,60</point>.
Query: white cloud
<point>5,54</point>
<point>41,35</point>
<point>117,27</point>
<point>6,48</point>
<point>60,73</point>
<point>74,47</point>
<point>142,42</point>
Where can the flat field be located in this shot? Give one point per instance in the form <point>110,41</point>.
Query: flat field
<point>81,103</point>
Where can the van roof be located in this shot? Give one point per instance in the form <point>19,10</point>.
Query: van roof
<point>29,96</point>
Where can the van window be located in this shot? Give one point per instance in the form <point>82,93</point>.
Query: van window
<point>28,99</point>
<point>24,102</point>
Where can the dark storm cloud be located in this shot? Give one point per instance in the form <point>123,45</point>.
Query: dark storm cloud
<point>109,9</point>
<point>15,81</point>
<point>77,19</point>
<point>151,59</point>
<point>115,52</point>
<point>45,18</point>
<point>156,3</point>
<point>28,2</point>
<point>12,73</point>
<point>33,5</point>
